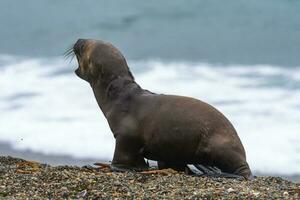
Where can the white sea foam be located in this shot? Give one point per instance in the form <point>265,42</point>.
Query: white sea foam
<point>46,108</point>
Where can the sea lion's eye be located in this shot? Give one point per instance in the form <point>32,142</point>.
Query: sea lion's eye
<point>81,49</point>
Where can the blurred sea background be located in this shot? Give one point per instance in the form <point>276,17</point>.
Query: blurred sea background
<point>240,56</point>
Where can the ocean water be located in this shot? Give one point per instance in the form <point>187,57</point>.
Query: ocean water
<point>46,108</point>
<point>214,31</point>
<point>240,56</point>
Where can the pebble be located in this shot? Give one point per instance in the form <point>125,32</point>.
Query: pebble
<point>230,190</point>
<point>81,194</point>
<point>64,192</point>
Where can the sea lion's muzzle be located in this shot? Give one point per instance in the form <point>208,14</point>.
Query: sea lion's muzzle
<point>79,47</point>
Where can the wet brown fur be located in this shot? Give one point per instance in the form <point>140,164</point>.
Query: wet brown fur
<point>173,130</point>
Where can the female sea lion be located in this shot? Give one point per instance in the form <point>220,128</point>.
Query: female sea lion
<point>173,130</point>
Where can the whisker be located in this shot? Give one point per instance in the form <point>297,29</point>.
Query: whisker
<point>69,53</point>
<point>69,50</point>
<point>72,58</point>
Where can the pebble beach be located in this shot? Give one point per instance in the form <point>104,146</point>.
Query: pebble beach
<point>21,179</point>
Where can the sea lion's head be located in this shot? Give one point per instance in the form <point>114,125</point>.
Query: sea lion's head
<point>99,61</point>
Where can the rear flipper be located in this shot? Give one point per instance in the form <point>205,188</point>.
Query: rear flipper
<point>198,170</point>
<point>209,171</point>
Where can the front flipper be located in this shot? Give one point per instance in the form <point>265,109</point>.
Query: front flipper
<point>127,156</point>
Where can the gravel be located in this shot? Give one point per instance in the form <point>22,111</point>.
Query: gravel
<point>20,179</point>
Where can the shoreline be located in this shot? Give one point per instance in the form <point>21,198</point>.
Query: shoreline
<point>56,160</point>
<point>7,150</point>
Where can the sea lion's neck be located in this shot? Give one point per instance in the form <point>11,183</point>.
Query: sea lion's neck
<point>108,93</point>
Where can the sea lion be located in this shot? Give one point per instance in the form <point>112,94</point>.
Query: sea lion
<point>173,130</point>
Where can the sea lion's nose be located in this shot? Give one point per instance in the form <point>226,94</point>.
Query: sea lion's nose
<point>79,45</point>
<point>80,41</point>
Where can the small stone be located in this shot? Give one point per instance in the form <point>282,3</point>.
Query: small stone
<point>256,194</point>
<point>81,194</point>
<point>230,190</point>
<point>117,183</point>
<point>64,192</point>
<point>131,181</point>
